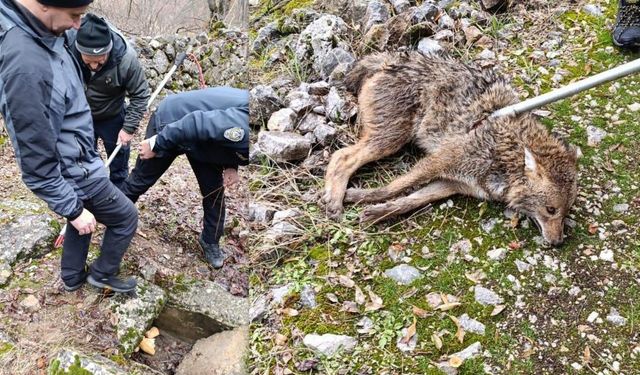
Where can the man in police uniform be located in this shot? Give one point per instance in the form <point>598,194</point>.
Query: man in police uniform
<point>209,126</point>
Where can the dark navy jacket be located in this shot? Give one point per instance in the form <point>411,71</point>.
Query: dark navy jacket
<point>211,125</point>
<point>47,116</point>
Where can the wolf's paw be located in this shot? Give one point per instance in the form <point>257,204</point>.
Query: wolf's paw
<point>334,210</point>
<point>355,195</point>
<point>374,213</point>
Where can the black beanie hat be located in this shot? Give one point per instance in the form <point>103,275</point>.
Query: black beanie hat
<point>94,36</point>
<point>65,3</point>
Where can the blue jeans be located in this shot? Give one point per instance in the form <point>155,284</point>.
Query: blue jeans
<point>108,130</point>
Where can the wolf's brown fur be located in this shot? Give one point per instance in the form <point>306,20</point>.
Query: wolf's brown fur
<point>439,103</point>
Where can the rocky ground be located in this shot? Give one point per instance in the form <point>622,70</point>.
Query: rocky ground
<point>43,328</point>
<point>461,286</point>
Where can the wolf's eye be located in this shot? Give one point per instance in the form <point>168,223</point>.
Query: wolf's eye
<point>551,210</point>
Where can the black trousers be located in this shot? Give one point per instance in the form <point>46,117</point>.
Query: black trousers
<point>111,208</point>
<point>209,176</point>
<point>108,130</point>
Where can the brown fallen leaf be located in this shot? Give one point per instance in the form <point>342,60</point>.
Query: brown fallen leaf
<point>148,345</point>
<point>455,361</point>
<point>460,332</point>
<point>437,341</point>
<point>288,312</point>
<point>346,281</point>
<point>593,228</point>
<point>41,362</point>
<point>498,309</point>
<point>360,297</point>
<point>375,303</point>
<point>419,312</point>
<point>586,357</point>
<point>448,306</point>
<point>475,276</point>
<point>350,306</point>
<point>280,339</point>
<point>411,331</point>
<point>515,220</point>
<point>434,300</point>
<point>152,333</point>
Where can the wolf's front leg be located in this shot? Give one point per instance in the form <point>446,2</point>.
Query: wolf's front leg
<point>426,170</point>
<point>434,191</point>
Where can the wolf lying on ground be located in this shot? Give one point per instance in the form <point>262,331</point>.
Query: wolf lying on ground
<point>442,105</point>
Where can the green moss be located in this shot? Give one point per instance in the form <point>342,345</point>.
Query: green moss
<point>5,348</point>
<point>296,4</point>
<point>74,369</point>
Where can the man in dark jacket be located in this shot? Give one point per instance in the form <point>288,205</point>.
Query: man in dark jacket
<point>49,124</point>
<point>111,72</point>
<point>210,126</point>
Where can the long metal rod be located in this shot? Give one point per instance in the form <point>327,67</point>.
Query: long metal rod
<point>569,90</point>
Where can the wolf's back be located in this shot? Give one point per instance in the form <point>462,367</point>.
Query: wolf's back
<point>363,69</point>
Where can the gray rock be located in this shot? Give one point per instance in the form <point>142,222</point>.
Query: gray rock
<point>446,35</point>
<point>338,109</point>
<point>283,146</point>
<point>5,273</point>
<point>497,254</point>
<point>30,303</point>
<point>265,35</point>
<point>27,236</point>
<point>308,297</point>
<point>446,23</point>
<point>135,314</point>
<point>487,54</point>
<point>428,46</point>
<point>263,101</point>
<point>325,134</point>
<point>615,318</point>
<point>403,274</point>
<point>595,135</point>
<point>400,5</point>
<point>425,12</point>
<point>300,101</point>
<point>522,266</point>
<point>281,230</point>
<point>489,224</point>
<point>96,365</point>
<point>320,88</point>
<point>593,10</point>
<point>201,308</point>
<point>621,208</point>
<point>290,213</point>
<point>471,325</point>
<point>259,308</point>
<point>463,247</point>
<point>365,326</point>
<point>220,354</point>
<point>155,44</point>
<point>160,62</point>
<point>329,344</point>
<point>409,346</point>
<point>485,296</point>
<point>260,213</point>
<point>377,13</point>
<point>319,38</point>
<point>336,57</point>
<point>279,294</point>
<point>282,120</point>
<point>310,122</point>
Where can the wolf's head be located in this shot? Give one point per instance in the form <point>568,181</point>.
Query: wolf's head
<point>548,188</point>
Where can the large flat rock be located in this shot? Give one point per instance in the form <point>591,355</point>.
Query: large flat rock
<point>220,354</point>
<point>73,362</point>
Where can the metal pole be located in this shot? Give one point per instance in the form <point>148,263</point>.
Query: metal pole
<point>569,90</point>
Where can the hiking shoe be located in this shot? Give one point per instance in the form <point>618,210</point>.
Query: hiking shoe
<point>626,33</point>
<point>212,253</point>
<point>77,282</point>
<point>114,283</point>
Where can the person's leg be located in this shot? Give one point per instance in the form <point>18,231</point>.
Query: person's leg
<point>74,256</point>
<point>626,33</point>
<point>112,209</point>
<point>209,178</point>
<point>108,130</point>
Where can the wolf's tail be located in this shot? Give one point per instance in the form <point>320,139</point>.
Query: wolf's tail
<point>363,69</point>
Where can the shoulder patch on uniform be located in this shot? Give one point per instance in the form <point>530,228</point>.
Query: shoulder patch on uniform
<point>234,134</point>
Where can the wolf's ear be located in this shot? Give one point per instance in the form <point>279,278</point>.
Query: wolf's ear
<point>530,164</point>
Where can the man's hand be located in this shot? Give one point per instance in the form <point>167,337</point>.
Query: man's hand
<point>85,223</point>
<point>124,138</point>
<point>230,177</point>
<point>145,151</point>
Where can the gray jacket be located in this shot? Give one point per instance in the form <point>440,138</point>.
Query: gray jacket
<point>47,116</point>
<point>121,76</point>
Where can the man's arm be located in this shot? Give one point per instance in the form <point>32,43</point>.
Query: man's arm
<point>137,90</point>
<point>229,125</point>
<point>34,137</point>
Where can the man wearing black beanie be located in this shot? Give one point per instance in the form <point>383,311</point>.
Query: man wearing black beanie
<point>111,71</point>
<point>49,123</point>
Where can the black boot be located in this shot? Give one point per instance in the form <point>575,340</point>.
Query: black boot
<point>626,33</point>
<point>76,282</point>
<point>114,283</point>
<point>213,253</point>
